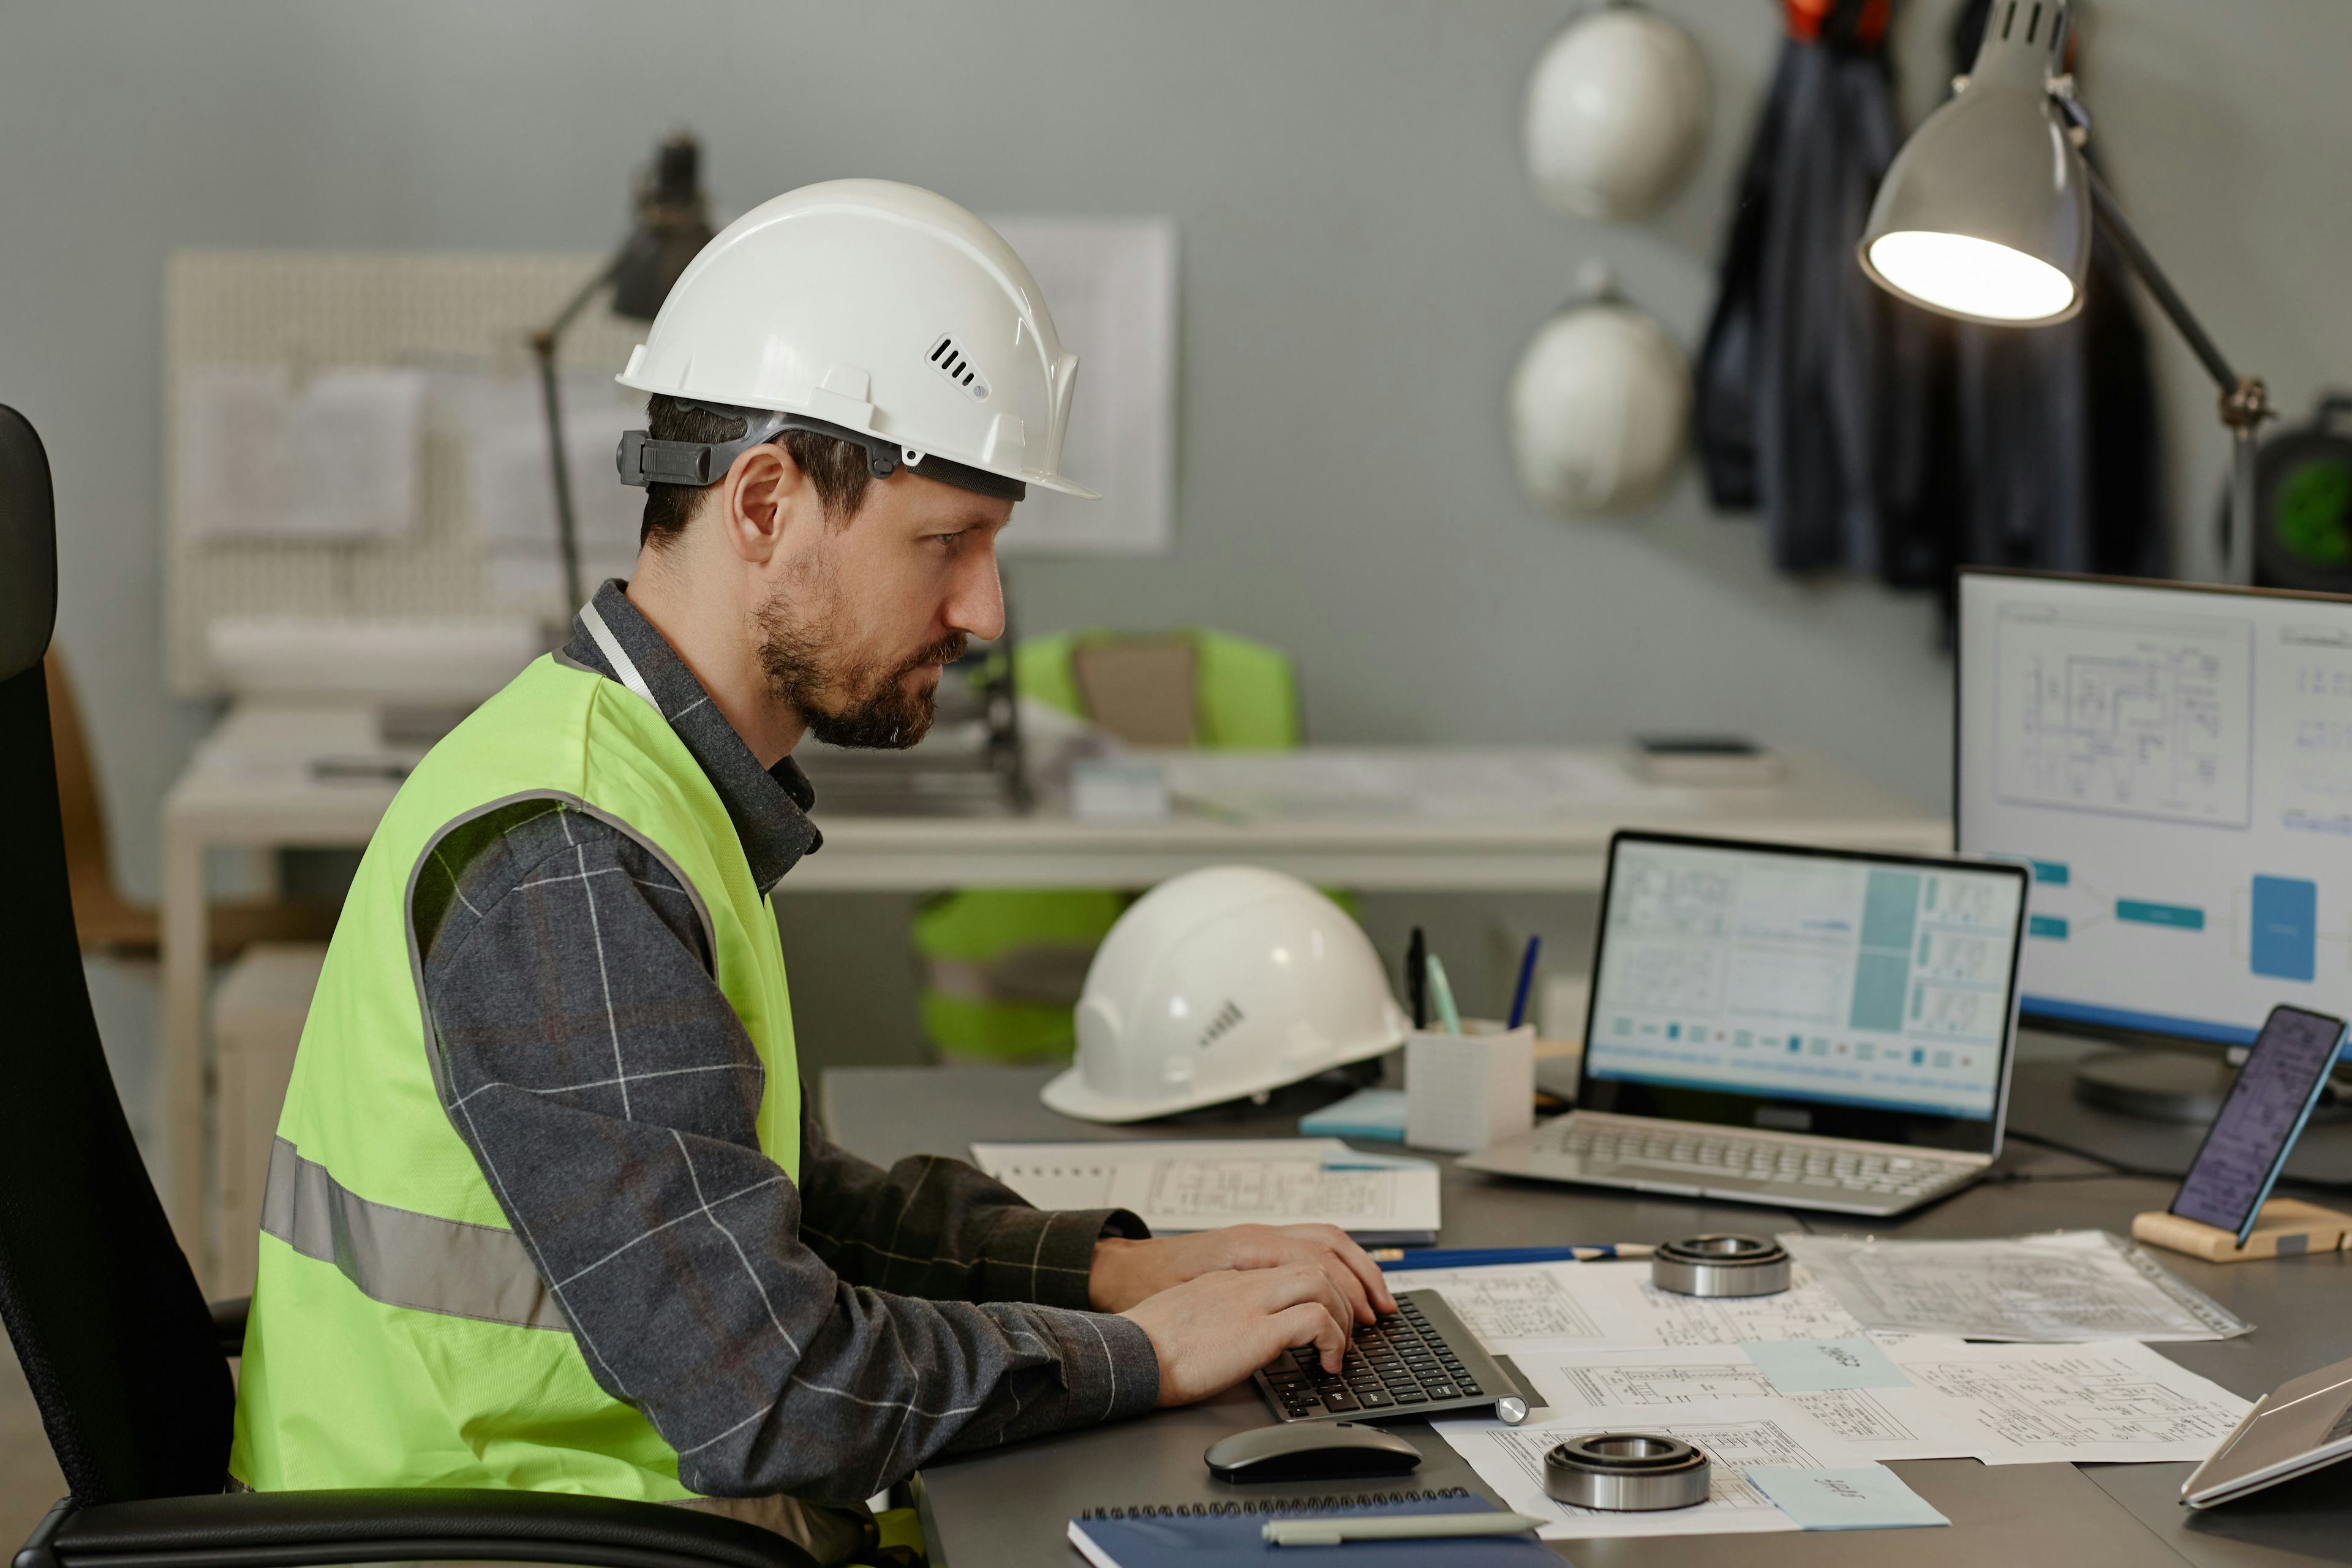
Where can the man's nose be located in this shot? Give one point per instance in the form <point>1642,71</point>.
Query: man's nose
<point>976,603</point>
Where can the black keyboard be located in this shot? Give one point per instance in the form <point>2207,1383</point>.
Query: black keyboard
<point>1422,1361</point>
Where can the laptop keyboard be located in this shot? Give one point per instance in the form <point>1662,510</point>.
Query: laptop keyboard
<point>1727,1154</point>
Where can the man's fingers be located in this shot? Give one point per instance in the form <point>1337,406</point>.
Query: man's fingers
<point>1311,1323</point>
<point>1375,1284</point>
<point>1352,1289</point>
<point>1353,1257</point>
<point>1304,1284</point>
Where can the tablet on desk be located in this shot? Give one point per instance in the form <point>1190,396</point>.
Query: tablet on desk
<point>2293,1430</point>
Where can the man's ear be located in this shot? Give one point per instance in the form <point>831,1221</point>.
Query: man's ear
<point>759,499</point>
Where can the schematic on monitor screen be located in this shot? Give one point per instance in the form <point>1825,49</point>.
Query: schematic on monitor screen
<point>2175,765</point>
<point>2135,716</point>
<point>1805,976</point>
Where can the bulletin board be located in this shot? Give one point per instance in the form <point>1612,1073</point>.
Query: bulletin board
<point>462,318</point>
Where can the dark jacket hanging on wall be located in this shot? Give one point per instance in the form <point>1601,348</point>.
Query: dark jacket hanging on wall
<point>2053,444</point>
<point>1872,436</point>
<point>1812,385</point>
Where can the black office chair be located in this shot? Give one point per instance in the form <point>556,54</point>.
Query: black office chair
<point>127,1365</point>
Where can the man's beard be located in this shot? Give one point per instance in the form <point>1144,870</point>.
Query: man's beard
<point>846,702</point>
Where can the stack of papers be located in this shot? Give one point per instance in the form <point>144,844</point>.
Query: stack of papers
<point>1378,1199</point>
<point>1788,1394</point>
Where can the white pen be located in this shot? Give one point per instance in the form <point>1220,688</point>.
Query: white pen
<point>1395,1527</point>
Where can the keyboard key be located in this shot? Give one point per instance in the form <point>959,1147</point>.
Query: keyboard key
<point>1444,1390</point>
<point>1376,1399</point>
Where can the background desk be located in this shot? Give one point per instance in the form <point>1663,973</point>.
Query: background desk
<point>252,786</point>
<point>1010,1507</point>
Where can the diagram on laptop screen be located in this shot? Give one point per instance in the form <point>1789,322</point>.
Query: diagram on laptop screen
<point>2176,769</point>
<point>1805,976</point>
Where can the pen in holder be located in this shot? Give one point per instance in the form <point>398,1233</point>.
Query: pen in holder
<point>1464,1091</point>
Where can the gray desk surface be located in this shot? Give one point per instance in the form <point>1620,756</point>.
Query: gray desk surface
<point>1011,1506</point>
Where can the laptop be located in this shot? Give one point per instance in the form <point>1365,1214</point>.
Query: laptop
<point>1806,1028</point>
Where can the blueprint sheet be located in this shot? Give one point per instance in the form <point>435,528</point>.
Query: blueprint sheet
<point>1183,1185</point>
<point>2080,1285</point>
<point>1601,1306</point>
<point>1732,1433</point>
<point>2114,1403</point>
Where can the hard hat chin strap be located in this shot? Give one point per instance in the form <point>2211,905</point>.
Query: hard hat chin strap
<point>645,461</point>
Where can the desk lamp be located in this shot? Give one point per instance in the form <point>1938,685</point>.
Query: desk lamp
<point>1986,214</point>
<point>673,223</point>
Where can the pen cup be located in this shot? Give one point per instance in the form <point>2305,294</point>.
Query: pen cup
<point>1464,1091</point>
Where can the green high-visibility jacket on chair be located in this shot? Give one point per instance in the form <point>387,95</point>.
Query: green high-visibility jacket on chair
<point>401,1334</point>
<point>1001,966</point>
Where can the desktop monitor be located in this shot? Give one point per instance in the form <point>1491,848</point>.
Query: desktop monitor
<point>2174,764</point>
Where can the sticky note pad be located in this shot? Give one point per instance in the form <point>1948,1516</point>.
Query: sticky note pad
<point>1816,1366</point>
<point>1844,1497</point>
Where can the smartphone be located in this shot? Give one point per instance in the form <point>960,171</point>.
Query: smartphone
<point>2266,1108</point>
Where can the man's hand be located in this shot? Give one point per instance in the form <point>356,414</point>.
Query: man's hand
<point>1215,1330</point>
<point>1127,1272</point>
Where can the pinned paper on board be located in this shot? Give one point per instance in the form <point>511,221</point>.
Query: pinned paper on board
<point>264,453</point>
<point>1111,285</point>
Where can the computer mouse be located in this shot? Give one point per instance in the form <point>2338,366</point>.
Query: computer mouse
<point>1310,1451</point>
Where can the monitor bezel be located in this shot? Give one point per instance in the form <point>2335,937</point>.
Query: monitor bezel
<point>2194,1035</point>
<point>1811,1118</point>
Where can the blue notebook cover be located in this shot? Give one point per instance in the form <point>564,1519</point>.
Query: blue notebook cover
<point>1230,1540</point>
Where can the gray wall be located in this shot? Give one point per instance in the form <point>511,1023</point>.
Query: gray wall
<point>1362,260</point>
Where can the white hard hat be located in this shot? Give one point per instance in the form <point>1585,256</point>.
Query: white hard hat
<point>1218,983</point>
<point>1600,405</point>
<point>1617,112</point>
<point>870,310</point>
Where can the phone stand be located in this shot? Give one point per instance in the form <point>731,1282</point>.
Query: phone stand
<point>2287,1227</point>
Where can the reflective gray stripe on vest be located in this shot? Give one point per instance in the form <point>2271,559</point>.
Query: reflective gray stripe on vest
<point>401,1257</point>
<point>610,646</point>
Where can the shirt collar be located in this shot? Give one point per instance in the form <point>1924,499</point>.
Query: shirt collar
<point>769,807</point>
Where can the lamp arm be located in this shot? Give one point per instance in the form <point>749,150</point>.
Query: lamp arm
<point>544,340</point>
<point>2243,399</point>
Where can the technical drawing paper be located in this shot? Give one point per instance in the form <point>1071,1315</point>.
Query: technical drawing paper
<point>2080,1285</point>
<point>1906,1423</point>
<point>1591,1306</point>
<point>1736,1435</point>
<point>262,455</point>
<point>1179,1187</point>
<point>2117,1401</point>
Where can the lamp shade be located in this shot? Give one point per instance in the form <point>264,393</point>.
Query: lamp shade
<point>673,225</point>
<point>1985,214</point>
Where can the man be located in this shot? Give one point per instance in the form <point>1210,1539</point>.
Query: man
<point>546,1209</point>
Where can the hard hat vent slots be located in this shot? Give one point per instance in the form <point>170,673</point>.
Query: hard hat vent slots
<point>951,361</point>
<point>1227,1016</point>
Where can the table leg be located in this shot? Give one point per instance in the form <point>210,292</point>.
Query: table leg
<point>186,943</point>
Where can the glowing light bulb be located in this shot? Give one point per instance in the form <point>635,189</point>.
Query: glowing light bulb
<point>1973,276</point>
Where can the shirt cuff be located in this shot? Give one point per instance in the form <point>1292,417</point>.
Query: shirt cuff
<point>1109,1371</point>
<point>1047,1256</point>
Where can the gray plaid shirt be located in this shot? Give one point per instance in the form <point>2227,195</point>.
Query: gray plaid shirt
<point>819,1333</point>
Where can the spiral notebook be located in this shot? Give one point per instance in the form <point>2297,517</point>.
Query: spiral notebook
<point>1230,1534</point>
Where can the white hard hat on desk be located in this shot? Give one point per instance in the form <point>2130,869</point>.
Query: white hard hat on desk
<point>1220,983</point>
<point>884,314</point>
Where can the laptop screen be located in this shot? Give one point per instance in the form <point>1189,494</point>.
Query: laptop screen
<point>1804,990</point>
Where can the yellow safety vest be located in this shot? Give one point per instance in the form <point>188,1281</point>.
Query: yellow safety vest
<point>400,1335</point>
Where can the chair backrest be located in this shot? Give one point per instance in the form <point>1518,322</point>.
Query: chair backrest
<point>98,1300</point>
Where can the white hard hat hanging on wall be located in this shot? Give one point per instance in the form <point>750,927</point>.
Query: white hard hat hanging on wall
<point>882,311</point>
<point>1616,113</point>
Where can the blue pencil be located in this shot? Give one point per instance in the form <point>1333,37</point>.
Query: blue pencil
<point>1393,1258</point>
<point>1526,979</point>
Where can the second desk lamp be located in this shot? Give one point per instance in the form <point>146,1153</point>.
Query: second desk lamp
<point>673,224</point>
<point>1986,214</point>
